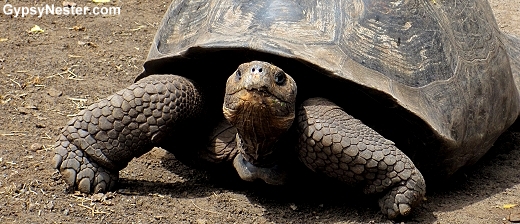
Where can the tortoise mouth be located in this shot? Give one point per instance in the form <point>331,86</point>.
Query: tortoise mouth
<point>263,94</point>
<point>258,97</point>
<point>274,175</point>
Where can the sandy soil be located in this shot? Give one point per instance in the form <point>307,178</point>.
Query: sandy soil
<point>77,60</point>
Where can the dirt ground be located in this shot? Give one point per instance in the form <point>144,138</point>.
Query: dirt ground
<point>77,60</point>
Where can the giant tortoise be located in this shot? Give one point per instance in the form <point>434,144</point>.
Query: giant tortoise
<point>437,79</point>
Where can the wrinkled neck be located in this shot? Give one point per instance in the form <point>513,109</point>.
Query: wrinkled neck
<point>259,132</point>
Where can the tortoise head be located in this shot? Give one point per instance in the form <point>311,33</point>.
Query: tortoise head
<point>260,102</point>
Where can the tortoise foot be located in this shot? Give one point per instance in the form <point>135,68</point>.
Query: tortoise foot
<point>404,196</point>
<point>82,173</point>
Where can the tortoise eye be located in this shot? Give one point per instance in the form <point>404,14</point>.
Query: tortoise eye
<point>238,74</point>
<point>279,78</point>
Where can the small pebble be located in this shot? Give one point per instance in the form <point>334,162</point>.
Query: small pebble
<point>50,205</point>
<point>31,207</point>
<point>36,146</point>
<point>54,92</point>
<point>98,197</point>
<point>515,217</point>
<point>23,110</point>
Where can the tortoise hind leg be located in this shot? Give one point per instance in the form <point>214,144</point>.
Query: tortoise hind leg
<point>103,138</point>
<point>334,143</point>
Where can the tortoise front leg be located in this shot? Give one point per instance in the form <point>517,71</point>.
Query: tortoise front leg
<point>103,138</point>
<point>340,146</point>
<point>222,145</point>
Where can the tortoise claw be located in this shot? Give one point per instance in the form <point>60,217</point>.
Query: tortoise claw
<point>80,172</point>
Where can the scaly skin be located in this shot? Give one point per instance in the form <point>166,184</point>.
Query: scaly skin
<point>340,146</point>
<point>103,138</point>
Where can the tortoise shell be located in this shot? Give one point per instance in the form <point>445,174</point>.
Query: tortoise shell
<point>433,76</point>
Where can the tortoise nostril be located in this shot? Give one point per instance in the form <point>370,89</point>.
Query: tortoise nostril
<point>256,69</point>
